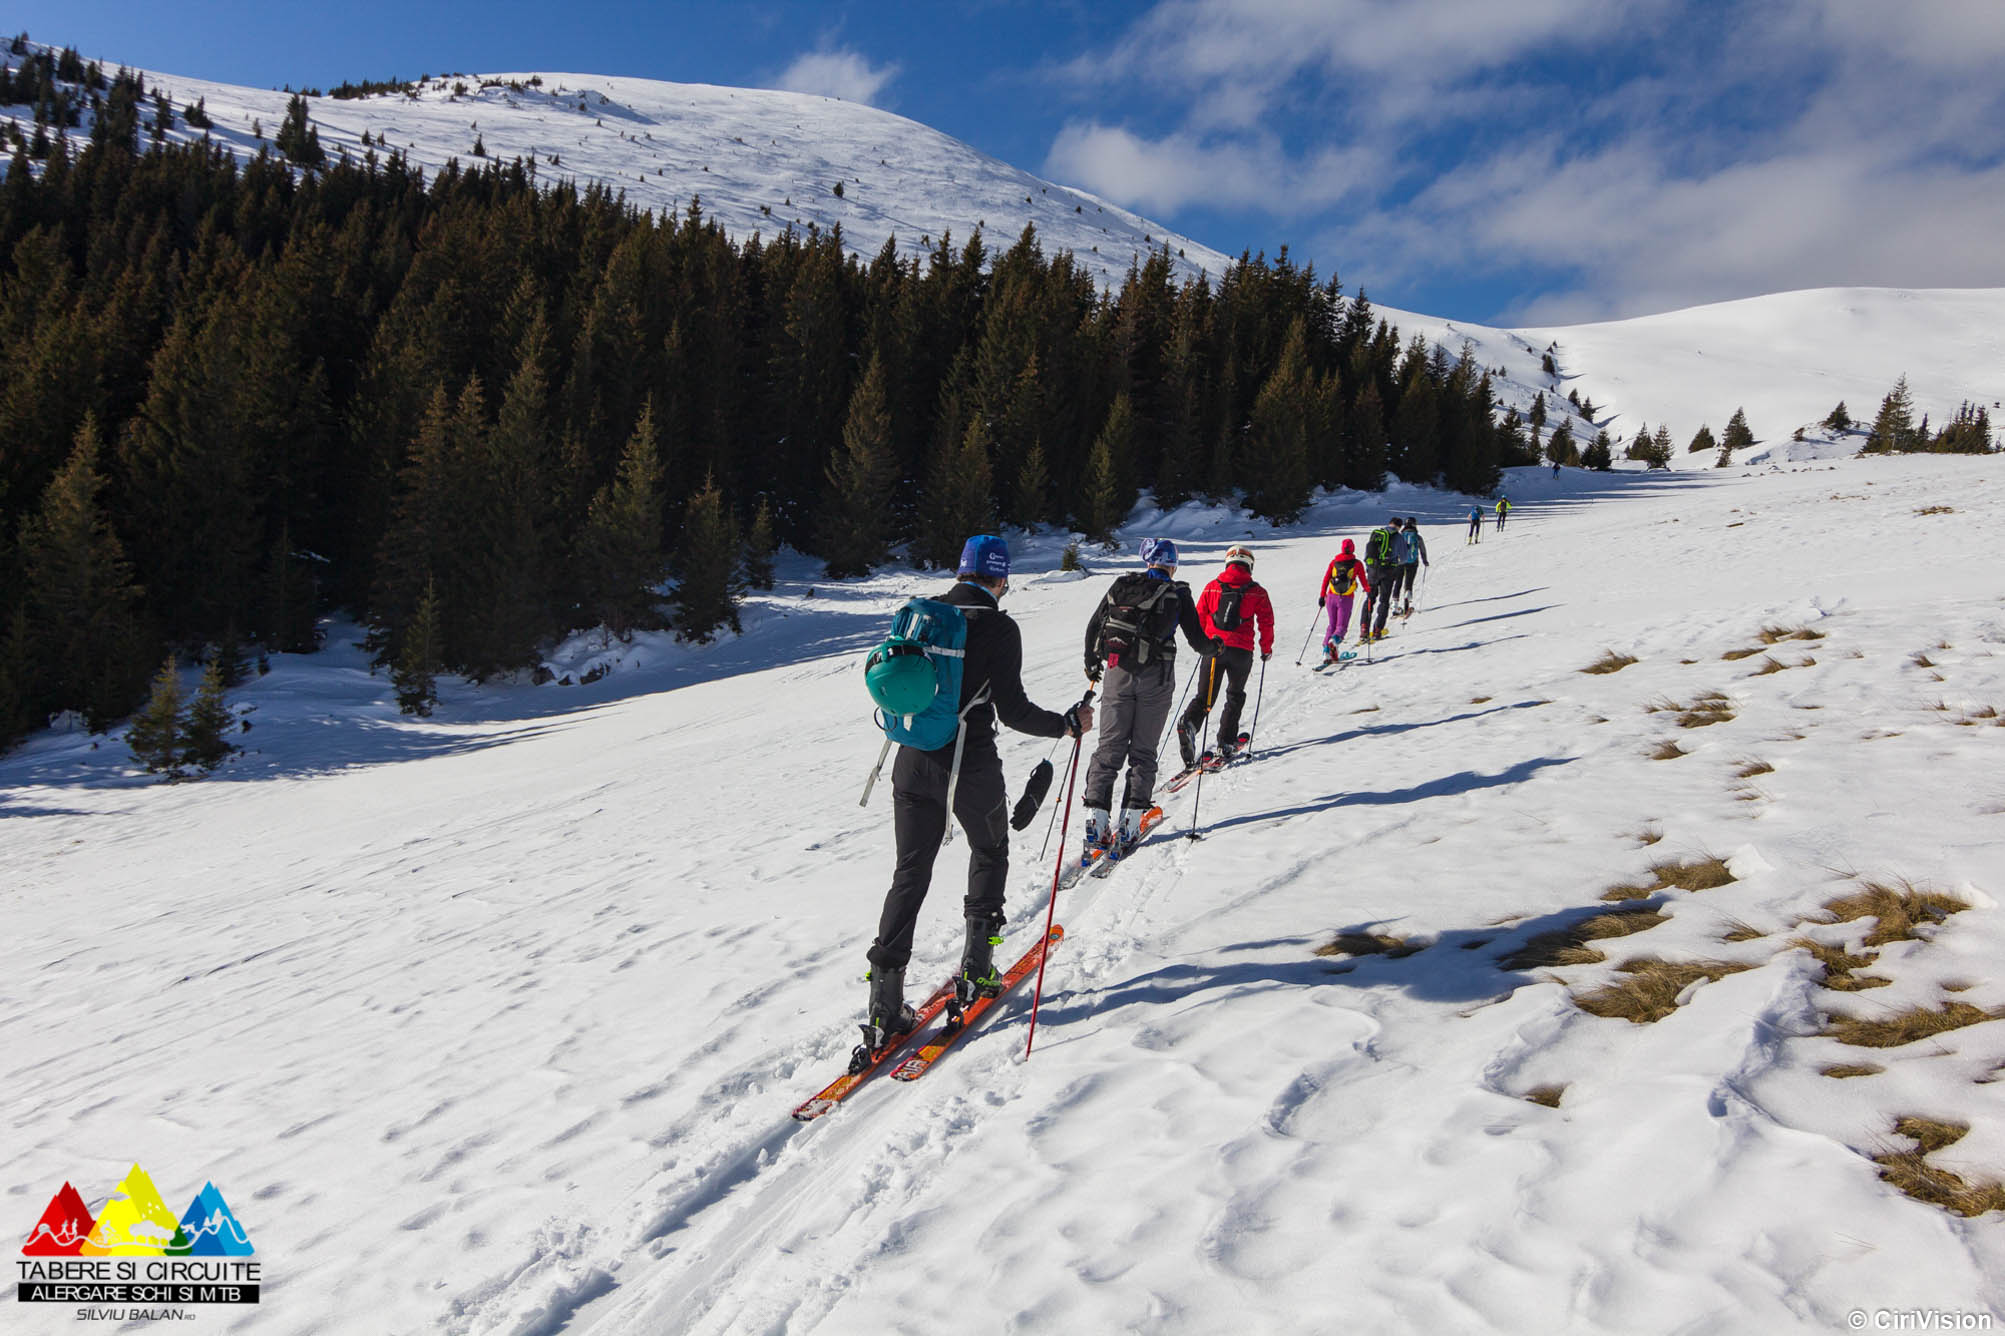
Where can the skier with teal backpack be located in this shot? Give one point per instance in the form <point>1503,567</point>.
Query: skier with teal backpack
<point>952,667</point>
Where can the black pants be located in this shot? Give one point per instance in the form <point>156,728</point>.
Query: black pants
<point>919,816</point>
<point>1384,585</point>
<point>1408,572</point>
<point>1228,668</point>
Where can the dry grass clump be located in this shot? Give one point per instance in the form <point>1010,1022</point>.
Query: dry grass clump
<point>1983,714</point>
<point>1841,1070</point>
<point>1742,932</point>
<point>1910,1171</point>
<point>1650,834</point>
<point>1649,988</point>
<point>1838,965</point>
<point>1900,910</point>
<point>1936,510</point>
<point>1667,750</point>
<point>1772,635</point>
<point>1711,708</point>
<point>1610,662</point>
<point>1920,659</point>
<point>1734,654</point>
<point>1905,1027</point>
<point>1704,873</point>
<point>1547,1095</point>
<point>1769,664</point>
<point>1752,767</point>
<point>1367,944</point>
<point>1569,945</point>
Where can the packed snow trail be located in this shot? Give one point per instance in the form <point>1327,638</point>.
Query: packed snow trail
<point>506,1012</point>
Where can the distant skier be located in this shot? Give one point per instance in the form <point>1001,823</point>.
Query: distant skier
<point>1232,608</point>
<point>1345,576</point>
<point>1382,566</point>
<point>991,687</point>
<point>1131,650</point>
<point>1503,510</point>
<point>1475,524</point>
<point>1555,468</point>
<point>1412,551</point>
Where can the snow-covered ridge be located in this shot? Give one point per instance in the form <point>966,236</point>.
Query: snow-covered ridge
<point>759,159</point>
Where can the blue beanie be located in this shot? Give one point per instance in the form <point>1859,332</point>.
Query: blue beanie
<point>1159,552</point>
<point>987,556</point>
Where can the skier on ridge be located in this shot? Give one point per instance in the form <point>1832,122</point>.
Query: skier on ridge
<point>1231,607</point>
<point>1131,647</point>
<point>1345,575</point>
<point>991,687</point>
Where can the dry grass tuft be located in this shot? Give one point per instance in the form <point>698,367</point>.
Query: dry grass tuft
<point>1910,1171</point>
<point>1921,659</point>
<point>1900,909</point>
<point>1704,873</point>
<point>1771,635</point>
<point>1650,834</point>
<point>1742,932</point>
<point>1650,987</point>
<point>1838,966</point>
<point>1840,1070</point>
<point>1905,1027</point>
<point>1610,662</point>
<point>1367,944</point>
<point>1734,654</point>
<point>1369,709</point>
<point>1569,945</point>
<point>1547,1095</point>
<point>1936,510</point>
<point>1667,750</point>
<point>1711,708</point>
<point>1479,700</point>
<point>1752,767</point>
<point>1769,664</point>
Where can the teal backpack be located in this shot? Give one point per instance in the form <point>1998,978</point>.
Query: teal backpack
<point>914,678</point>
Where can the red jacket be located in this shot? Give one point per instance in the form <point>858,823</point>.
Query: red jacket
<point>1342,570</point>
<point>1254,605</point>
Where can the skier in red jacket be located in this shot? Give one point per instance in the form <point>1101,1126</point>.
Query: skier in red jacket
<point>1232,607</point>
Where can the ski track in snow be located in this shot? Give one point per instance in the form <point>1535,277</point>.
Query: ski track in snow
<point>505,1012</point>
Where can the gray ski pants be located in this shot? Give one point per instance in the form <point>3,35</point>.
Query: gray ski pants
<point>1133,706</point>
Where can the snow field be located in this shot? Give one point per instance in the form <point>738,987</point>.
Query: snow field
<point>502,1014</point>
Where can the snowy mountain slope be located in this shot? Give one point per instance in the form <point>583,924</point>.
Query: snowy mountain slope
<point>1786,358</point>
<point>503,1013</point>
<point>759,159</point>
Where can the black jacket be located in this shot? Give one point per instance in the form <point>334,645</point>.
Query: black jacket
<point>995,661</point>
<point>1186,619</point>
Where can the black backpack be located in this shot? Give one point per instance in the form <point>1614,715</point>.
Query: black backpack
<point>1378,548</point>
<point>1225,616</point>
<point>1140,612</point>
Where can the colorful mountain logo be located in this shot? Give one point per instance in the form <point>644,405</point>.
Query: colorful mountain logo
<point>63,1227</point>
<point>135,1222</point>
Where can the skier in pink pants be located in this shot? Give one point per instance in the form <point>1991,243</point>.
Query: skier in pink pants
<point>1345,576</point>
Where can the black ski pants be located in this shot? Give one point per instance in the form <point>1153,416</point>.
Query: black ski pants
<point>1384,587</point>
<point>1408,573</point>
<point>1228,668</point>
<point>1133,706</point>
<point>919,817</point>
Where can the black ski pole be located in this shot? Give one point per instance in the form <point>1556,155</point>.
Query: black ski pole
<point>1170,725</point>
<point>1312,631</point>
<point>1210,684</point>
<point>1253,729</point>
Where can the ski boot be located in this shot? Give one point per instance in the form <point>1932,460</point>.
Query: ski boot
<point>1187,742</point>
<point>1099,834</point>
<point>891,1017</point>
<point>1130,833</point>
<point>978,976</point>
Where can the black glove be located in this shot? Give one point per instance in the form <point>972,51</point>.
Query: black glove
<point>1033,796</point>
<point>1092,671</point>
<point>1217,644</point>
<point>1268,655</point>
<point>1319,602</point>
<point>1072,728</point>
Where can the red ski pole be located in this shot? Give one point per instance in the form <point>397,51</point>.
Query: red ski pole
<point>1057,871</point>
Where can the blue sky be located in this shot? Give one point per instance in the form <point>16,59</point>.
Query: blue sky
<point>1502,160</point>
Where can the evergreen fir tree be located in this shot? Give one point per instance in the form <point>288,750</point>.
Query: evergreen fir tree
<point>1599,454</point>
<point>1416,430</point>
<point>1702,439</point>
<point>81,600</point>
<point>1561,449</point>
<point>205,732</point>
<point>619,552</point>
<point>291,599</point>
<point>1109,496</point>
<point>705,563</point>
<point>1364,460</point>
<point>959,498</point>
<point>755,570</point>
<point>1281,434</point>
<point>1031,488</point>
<point>415,675</point>
<point>1837,419</point>
<point>1738,436</point>
<point>856,510</point>
<point>1893,427</point>
<point>154,735</point>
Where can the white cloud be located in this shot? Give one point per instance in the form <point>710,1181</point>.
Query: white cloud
<point>1658,152</point>
<point>833,72</point>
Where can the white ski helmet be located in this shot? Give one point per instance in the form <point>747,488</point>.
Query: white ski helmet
<point>1240,554</point>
